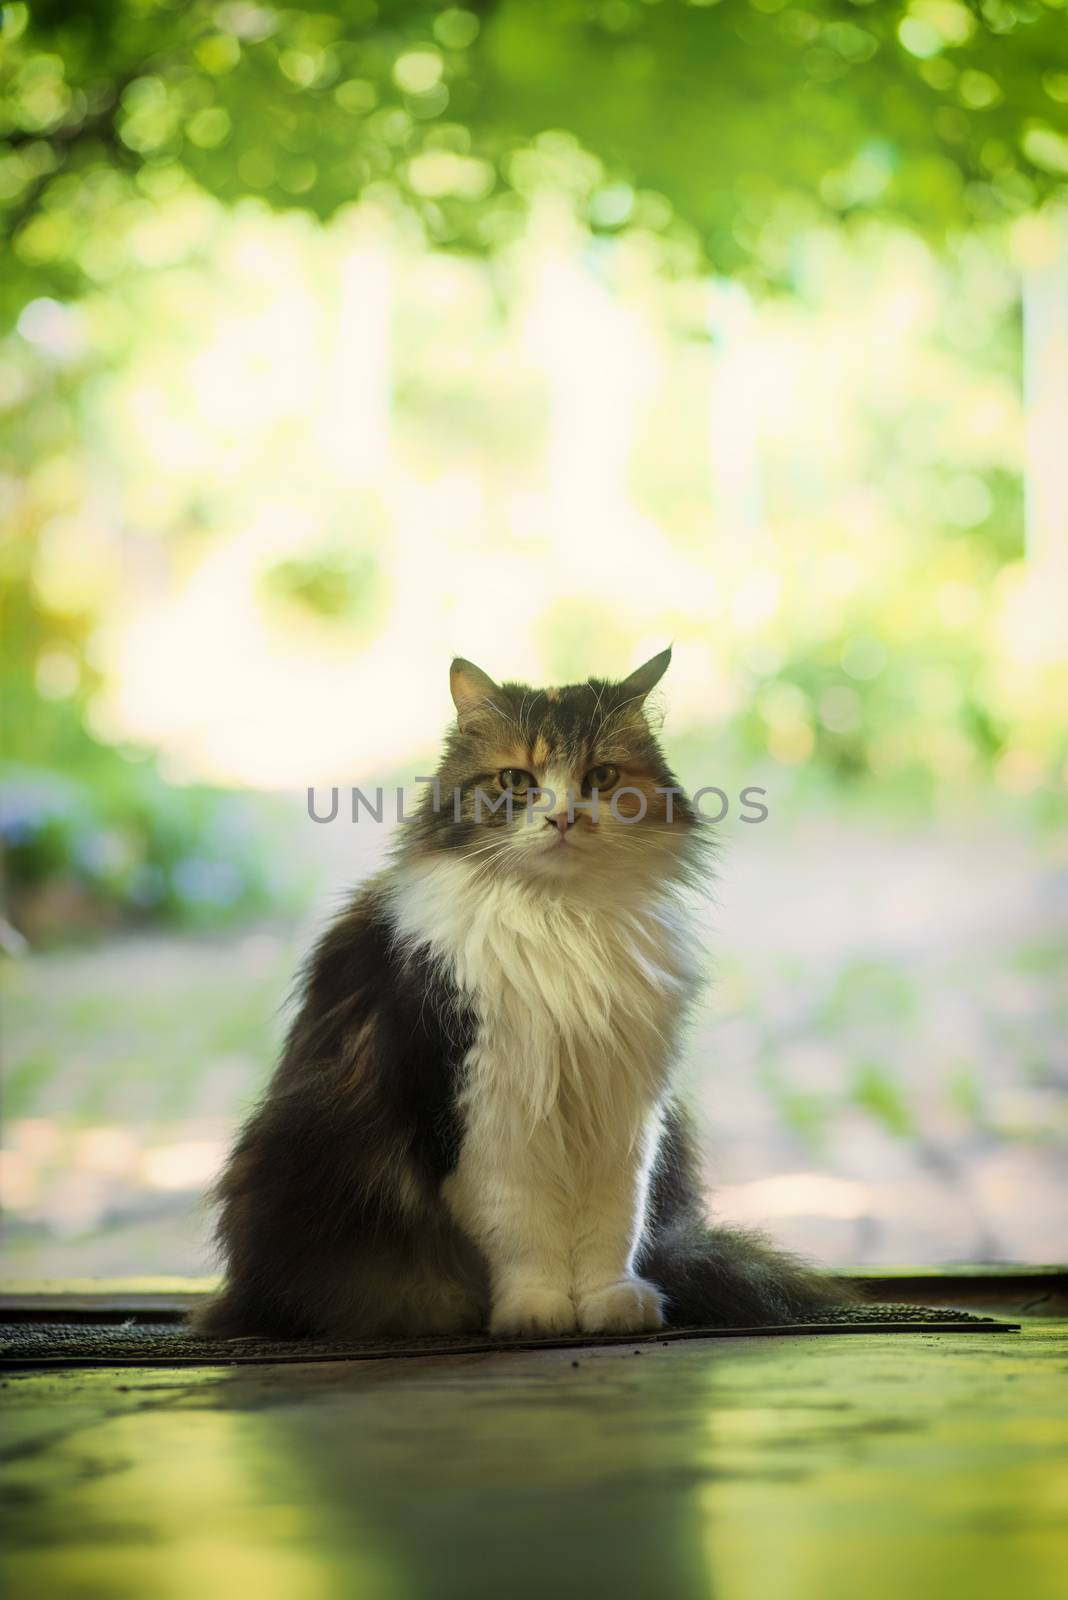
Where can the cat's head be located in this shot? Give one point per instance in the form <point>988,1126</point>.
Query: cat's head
<point>558,786</point>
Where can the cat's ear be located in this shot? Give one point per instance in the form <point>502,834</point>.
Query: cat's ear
<point>646,677</point>
<point>472,690</point>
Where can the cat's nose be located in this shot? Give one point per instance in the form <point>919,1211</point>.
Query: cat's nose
<point>561,821</point>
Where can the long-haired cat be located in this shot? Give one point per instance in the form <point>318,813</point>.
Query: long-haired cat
<point>472,1124</point>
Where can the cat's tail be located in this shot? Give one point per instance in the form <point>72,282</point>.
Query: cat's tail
<point>734,1278</point>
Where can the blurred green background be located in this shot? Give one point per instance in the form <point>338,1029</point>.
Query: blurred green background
<point>340,339</point>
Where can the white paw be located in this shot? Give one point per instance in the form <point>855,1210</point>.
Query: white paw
<point>629,1306</point>
<point>532,1312</point>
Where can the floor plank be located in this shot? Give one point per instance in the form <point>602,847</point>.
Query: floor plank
<point>800,1469</point>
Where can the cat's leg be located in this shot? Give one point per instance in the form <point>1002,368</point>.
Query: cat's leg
<point>610,1297</point>
<point>411,1296</point>
<point>512,1201</point>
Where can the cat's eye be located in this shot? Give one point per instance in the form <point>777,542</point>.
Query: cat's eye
<point>603,777</point>
<point>515,778</point>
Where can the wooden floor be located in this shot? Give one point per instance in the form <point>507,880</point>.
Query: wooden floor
<point>878,1467</point>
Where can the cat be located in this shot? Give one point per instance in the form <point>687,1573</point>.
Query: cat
<point>473,1123</point>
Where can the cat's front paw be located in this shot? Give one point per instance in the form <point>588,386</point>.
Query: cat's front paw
<point>532,1313</point>
<point>629,1306</point>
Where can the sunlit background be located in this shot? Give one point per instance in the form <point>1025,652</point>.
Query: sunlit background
<point>343,341</point>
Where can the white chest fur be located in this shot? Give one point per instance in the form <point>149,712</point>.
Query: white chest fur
<point>577,1004</point>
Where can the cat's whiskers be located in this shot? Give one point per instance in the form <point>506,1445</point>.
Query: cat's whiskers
<point>493,852</point>
<point>494,844</point>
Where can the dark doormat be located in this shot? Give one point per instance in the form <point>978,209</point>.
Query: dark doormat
<point>169,1344</point>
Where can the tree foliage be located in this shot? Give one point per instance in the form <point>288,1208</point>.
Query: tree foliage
<point>730,120</point>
